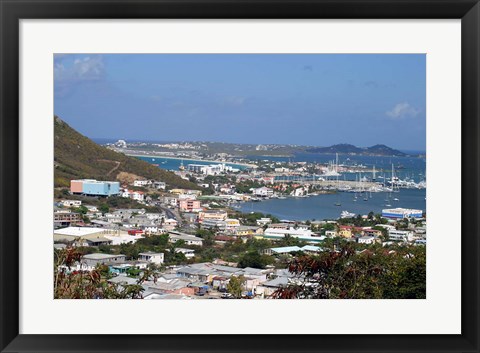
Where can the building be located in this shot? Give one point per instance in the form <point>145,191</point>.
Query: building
<point>187,238</point>
<point>189,205</point>
<point>92,187</point>
<point>92,260</point>
<point>263,221</point>
<point>301,234</point>
<point>65,218</point>
<point>212,215</point>
<point>134,195</point>
<point>84,236</point>
<point>71,203</point>
<point>141,183</point>
<point>400,235</point>
<point>170,224</point>
<point>153,257</point>
<point>263,192</point>
<point>189,253</point>
<point>399,213</point>
<point>367,239</point>
<point>159,185</point>
<point>212,169</point>
<point>248,230</point>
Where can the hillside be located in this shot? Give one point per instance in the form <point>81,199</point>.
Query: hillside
<point>77,157</point>
<point>377,150</point>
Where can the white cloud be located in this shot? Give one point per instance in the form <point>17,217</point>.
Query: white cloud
<point>402,111</point>
<point>82,69</point>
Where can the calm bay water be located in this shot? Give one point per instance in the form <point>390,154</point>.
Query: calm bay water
<point>174,163</point>
<point>323,206</point>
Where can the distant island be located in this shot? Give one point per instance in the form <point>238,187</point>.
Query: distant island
<point>376,150</point>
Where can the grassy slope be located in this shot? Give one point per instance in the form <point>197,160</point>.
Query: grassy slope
<point>76,156</point>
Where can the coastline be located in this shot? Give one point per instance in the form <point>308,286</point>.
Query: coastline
<point>193,160</point>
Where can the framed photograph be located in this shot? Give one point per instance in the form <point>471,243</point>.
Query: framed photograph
<point>253,175</point>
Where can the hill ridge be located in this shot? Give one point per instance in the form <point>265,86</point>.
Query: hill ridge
<point>78,157</point>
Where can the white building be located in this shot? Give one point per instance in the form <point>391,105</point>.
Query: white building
<point>401,213</point>
<point>134,195</point>
<point>141,183</point>
<point>71,203</point>
<point>366,240</point>
<point>262,192</point>
<point>263,221</point>
<point>187,238</point>
<point>189,253</point>
<point>400,235</point>
<point>149,256</point>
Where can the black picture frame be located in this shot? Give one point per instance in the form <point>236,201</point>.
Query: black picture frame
<point>12,11</point>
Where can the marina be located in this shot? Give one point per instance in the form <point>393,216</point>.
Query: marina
<point>323,206</point>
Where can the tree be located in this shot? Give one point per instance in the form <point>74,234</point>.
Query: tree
<point>104,208</point>
<point>236,285</point>
<point>81,284</point>
<point>255,260</point>
<point>372,274</point>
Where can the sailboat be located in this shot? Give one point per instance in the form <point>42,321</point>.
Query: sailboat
<point>338,197</point>
<point>182,167</point>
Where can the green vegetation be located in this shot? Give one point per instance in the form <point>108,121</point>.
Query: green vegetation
<point>70,284</point>
<point>235,286</point>
<point>77,157</point>
<point>374,273</point>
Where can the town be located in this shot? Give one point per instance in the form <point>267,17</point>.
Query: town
<point>171,243</point>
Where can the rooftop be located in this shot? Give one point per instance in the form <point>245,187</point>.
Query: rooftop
<point>78,231</point>
<point>100,256</point>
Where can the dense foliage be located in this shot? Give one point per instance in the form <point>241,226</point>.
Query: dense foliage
<point>375,273</point>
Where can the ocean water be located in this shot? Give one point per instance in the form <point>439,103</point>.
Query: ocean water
<point>323,206</point>
<point>174,163</point>
<point>405,167</point>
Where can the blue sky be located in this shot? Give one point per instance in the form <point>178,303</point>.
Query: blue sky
<point>308,99</point>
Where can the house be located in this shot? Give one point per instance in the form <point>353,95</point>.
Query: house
<point>263,221</point>
<point>366,239</point>
<point>71,203</point>
<point>345,231</point>
<point>189,253</point>
<point>159,185</point>
<point>141,183</point>
<point>187,238</point>
<point>170,224</point>
<point>212,215</point>
<point>134,195</point>
<point>266,289</point>
<point>149,256</point>
<point>248,230</point>
<point>330,233</point>
<point>92,260</point>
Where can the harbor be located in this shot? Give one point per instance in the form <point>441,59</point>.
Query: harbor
<point>324,206</point>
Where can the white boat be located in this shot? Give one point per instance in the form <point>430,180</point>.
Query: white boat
<point>346,214</point>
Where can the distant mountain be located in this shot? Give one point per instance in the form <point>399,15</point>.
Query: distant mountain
<point>77,157</point>
<point>377,150</point>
